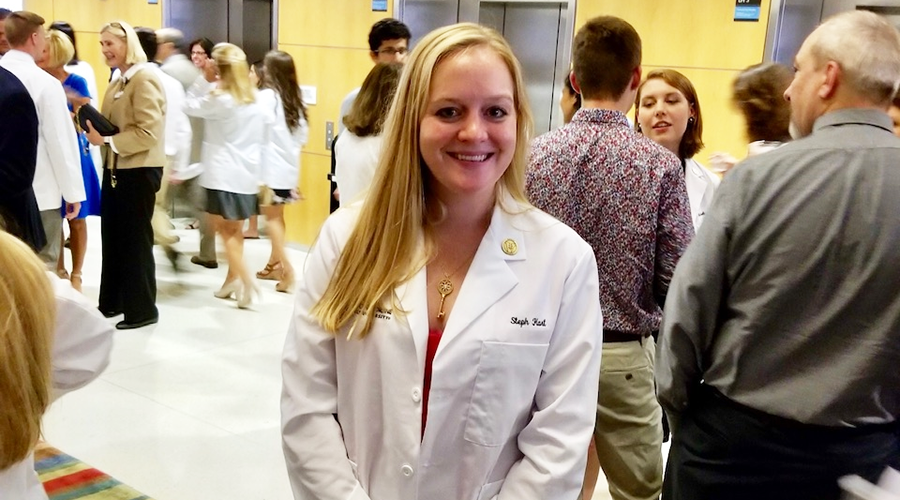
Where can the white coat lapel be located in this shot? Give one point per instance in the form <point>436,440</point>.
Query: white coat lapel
<point>489,277</point>
<point>414,300</point>
<point>695,182</point>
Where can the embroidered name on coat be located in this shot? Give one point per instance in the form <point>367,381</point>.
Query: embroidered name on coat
<point>522,322</point>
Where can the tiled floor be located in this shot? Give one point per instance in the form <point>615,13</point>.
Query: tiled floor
<point>189,407</point>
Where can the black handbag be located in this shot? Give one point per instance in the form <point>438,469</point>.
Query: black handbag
<point>98,121</point>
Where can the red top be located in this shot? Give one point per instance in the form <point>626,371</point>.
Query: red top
<point>434,339</point>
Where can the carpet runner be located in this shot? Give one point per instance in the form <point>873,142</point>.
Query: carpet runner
<point>67,478</point>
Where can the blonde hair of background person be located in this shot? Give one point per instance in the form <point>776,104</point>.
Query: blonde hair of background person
<point>134,54</point>
<point>27,316</point>
<point>383,250</point>
<point>59,49</point>
<point>234,73</point>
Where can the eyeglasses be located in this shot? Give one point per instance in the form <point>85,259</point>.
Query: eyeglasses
<point>391,51</point>
<point>198,53</point>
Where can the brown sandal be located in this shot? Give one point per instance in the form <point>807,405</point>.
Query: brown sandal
<point>271,272</point>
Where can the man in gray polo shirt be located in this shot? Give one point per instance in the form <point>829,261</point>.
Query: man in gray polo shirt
<point>779,362</point>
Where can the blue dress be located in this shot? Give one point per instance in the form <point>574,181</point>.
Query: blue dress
<point>91,205</point>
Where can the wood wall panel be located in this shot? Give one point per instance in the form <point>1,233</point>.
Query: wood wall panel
<point>696,33</point>
<point>342,23</point>
<point>304,219</point>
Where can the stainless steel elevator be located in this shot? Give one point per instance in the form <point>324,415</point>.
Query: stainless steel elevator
<point>791,21</point>
<point>540,33</point>
<point>249,24</point>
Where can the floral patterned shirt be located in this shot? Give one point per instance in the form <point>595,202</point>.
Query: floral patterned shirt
<point>625,195</point>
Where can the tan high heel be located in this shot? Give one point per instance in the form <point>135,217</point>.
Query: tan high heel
<point>246,297</point>
<point>228,289</point>
<point>75,279</point>
<point>286,284</point>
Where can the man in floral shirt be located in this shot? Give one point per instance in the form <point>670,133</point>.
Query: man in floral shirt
<point>625,195</point>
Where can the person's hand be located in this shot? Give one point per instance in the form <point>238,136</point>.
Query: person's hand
<point>77,100</point>
<point>72,210</point>
<point>210,70</point>
<point>173,181</point>
<point>721,163</point>
<point>92,135</point>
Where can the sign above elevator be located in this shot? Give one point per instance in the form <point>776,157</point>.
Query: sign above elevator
<point>747,10</point>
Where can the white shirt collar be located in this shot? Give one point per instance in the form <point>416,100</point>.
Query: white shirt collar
<point>18,55</point>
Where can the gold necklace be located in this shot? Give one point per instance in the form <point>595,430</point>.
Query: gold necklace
<point>445,286</point>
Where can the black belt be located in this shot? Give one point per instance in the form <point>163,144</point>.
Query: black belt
<point>615,336</point>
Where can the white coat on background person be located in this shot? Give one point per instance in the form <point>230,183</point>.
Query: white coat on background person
<point>281,150</point>
<point>81,348</point>
<point>355,161</point>
<point>231,139</point>
<point>544,335</point>
<point>701,185</point>
<point>58,171</point>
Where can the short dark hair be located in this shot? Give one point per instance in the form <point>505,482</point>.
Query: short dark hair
<point>20,25</point>
<point>4,13</point>
<point>758,92</point>
<point>606,52</point>
<point>147,37</point>
<point>370,108</point>
<point>205,44</point>
<point>387,29</point>
<point>70,32</point>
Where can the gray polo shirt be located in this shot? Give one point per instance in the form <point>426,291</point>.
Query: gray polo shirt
<point>788,299</point>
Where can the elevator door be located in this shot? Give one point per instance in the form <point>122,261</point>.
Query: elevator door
<point>536,32</point>
<point>245,23</point>
<point>199,18</point>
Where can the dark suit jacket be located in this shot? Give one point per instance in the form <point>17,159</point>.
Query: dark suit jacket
<point>18,156</point>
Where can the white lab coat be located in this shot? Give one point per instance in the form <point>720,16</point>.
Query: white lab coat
<point>178,127</point>
<point>281,145</point>
<point>512,406</point>
<point>57,174</point>
<point>701,186</point>
<point>232,139</point>
<point>355,161</point>
<point>81,348</point>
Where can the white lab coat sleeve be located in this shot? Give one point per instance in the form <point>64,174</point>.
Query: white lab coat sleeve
<point>312,440</point>
<point>200,102</point>
<point>555,442</point>
<point>82,339</point>
<point>693,304</point>
<point>61,142</point>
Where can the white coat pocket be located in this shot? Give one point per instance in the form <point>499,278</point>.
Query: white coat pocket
<point>505,384</point>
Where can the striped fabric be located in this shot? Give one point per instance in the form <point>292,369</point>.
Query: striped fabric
<point>67,478</point>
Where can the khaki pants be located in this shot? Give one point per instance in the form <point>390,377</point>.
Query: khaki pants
<point>628,432</point>
<point>162,227</point>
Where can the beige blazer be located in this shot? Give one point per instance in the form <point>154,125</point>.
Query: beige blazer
<point>137,105</point>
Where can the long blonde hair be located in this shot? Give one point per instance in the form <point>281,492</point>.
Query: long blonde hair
<point>27,316</point>
<point>234,73</point>
<point>383,250</point>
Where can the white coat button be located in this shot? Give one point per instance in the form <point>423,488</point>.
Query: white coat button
<point>406,470</point>
<point>416,395</point>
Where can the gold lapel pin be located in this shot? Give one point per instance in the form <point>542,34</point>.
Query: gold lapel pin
<point>510,247</point>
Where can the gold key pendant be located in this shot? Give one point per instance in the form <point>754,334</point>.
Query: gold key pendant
<point>445,288</point>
